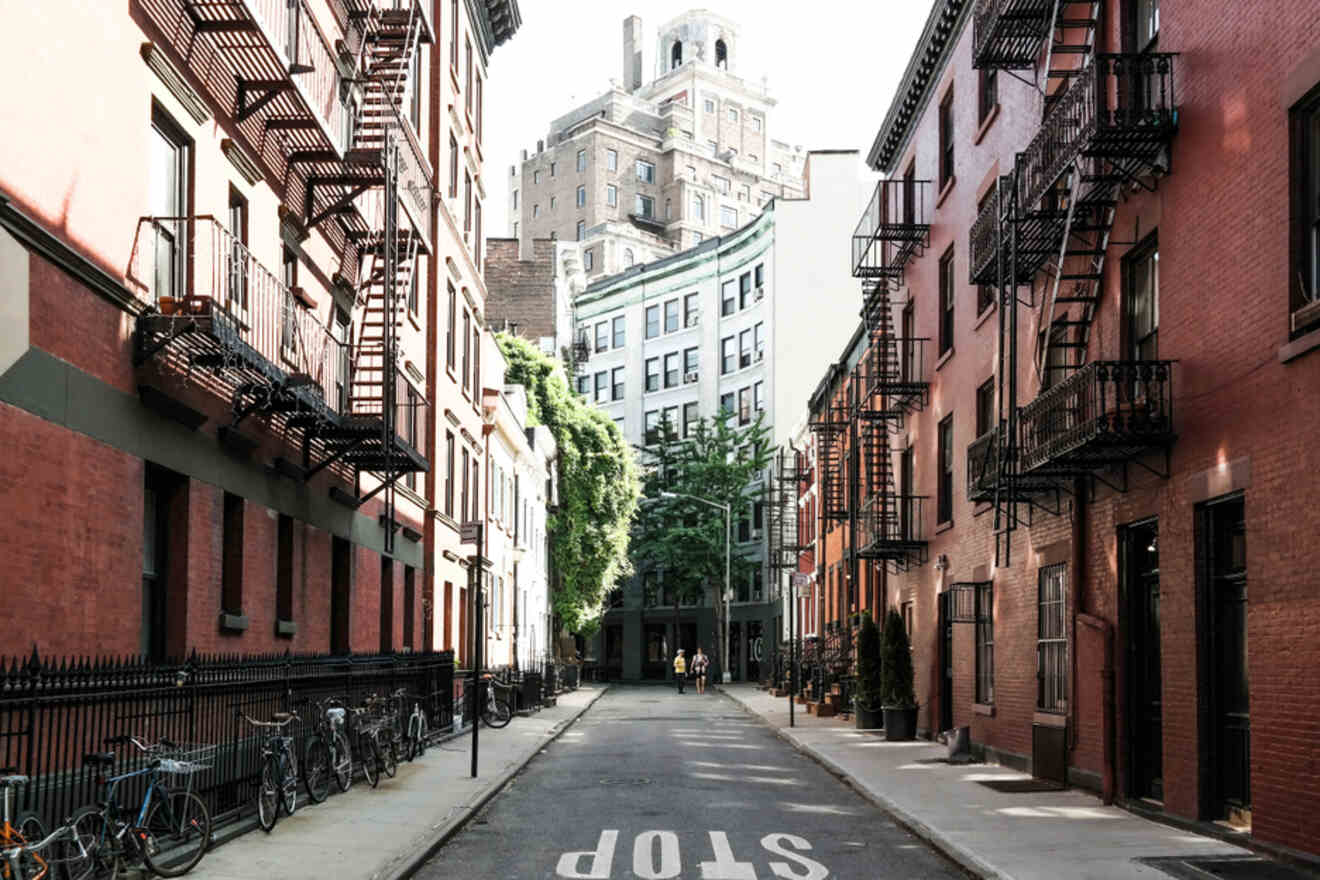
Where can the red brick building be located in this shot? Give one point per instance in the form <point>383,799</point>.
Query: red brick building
<point>215,402</point>
<point>1095,508</point>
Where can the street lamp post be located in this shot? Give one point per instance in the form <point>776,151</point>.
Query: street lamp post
<point>728,594</point>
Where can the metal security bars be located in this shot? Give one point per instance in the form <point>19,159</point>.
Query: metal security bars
<point>1008,34</point>
<point>893,229</point>
<point>1052,639</point>
<point>53,712</point>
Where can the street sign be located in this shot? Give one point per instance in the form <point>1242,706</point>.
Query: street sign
<point>470,533</point>
<point>800,579</point>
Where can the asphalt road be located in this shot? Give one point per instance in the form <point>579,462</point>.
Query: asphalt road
<point>653,784</point>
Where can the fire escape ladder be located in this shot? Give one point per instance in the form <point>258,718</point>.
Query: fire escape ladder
<point>1073,32</point>
<point>391,44</point>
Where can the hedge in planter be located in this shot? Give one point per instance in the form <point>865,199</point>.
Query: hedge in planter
<point>868,694</point>
<point>897,690</point>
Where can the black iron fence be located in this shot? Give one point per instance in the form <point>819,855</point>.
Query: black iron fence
<point>54,712</point>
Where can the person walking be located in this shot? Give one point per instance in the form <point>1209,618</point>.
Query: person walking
<point>699,664</point>
<point>680,669</point>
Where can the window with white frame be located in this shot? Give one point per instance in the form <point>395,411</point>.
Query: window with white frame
<point>709,105</point>
<point>728,217</point>
<point>581,230</point>
<point>581,196</point>
<point>645,206</point>
<point>581,160</point>
<point>612,196</point>
<point>645,171</point>
<point>611,160</point>
<point>721,183</point>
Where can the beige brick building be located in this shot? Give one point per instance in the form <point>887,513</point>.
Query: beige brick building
<point>648,169</point>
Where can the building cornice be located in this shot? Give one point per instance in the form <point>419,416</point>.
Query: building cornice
<point>929,57</point>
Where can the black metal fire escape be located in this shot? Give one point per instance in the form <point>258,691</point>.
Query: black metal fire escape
<point>1108,120</point>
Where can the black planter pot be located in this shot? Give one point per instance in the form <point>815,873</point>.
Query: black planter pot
<point>869,719</point>
<point>900,724</point>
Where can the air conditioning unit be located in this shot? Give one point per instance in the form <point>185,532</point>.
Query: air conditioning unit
<point>694,319</point>
<point>690,377</point>
<point>760,354</point>
<point>756,534</point>
<point>759,295</point>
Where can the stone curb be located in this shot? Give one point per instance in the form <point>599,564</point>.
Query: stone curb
<point>409,864</point>
<point>960,855</point>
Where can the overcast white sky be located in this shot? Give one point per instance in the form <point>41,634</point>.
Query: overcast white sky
<point>833,68</point>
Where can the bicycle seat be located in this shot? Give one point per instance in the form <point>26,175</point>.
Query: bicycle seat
<point>99,759</point>
<point>15,779</point>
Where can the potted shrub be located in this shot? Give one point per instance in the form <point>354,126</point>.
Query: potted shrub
<point>896,681</point>
<point>867,696</point>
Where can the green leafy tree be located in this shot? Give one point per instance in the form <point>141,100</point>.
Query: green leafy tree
<point>896,676</point>
<point>598,487</point>
<point>685,539</point>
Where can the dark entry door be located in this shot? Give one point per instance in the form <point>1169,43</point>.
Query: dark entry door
<point>1146,732</point>
<point>946,662</point>
<point>1229,685</point>
<point>657,656</point>
<point>755,650</point>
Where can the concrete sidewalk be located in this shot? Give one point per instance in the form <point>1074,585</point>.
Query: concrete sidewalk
<point>388,832</point>
<point>1044,835</point>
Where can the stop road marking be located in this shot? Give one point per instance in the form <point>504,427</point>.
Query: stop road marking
<point>656,857</point>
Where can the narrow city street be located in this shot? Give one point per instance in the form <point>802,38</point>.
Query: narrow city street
<point>653,784</point>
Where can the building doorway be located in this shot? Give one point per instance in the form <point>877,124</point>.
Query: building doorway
<point>946,660</point>
<point>1226,722</point>
<point>655,644</point>
<point>1140,547</point>
<point>755,650</point>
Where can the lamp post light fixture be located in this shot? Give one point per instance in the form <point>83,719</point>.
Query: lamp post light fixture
<point>726,676</point>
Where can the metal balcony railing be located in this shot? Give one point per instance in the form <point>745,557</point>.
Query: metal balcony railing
<point>983,466</point>
<point>1120,108</point>
<point>891,527</point>
<point>1107,412</point>
<point>893,228</point>
<point>1009,34</point>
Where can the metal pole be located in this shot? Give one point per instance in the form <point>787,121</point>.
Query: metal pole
<point>792,649</point>
<point>728,534</point>
<point>474,575</point>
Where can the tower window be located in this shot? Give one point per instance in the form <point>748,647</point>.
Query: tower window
<point>721,55</point>
<point>676,56</point>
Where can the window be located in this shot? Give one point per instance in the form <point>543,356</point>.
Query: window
<point>602,336</point>
<point>765,197</point>
<point>985,407</point>
<point>733,115</point>
<point>477,130</point>
<point>536,211</point>
<point>727,364</point>
<point>709,105</point>
<point>467,348</point>
<point>1142,273</point>
<point>449,473</point>
<point>759,275</point>
<point>515,198</point>
<point>467,201</point>
<point>671,316</point>
<point>584,385</point>
<point>744,289</point>
<point>612,196</point>
<point>289,277</point>
<point>691,358</point>
<point>466,491</point>
<point>169,188</point>
<point>756,123</point>
<point>231,558</point>
<point>581,160</point>
<point>553,202</point>
<point>669,209</point>
<point>581,196</point>
<point>945,500</point>
<point>985,643</point>
<point>602,385</point>
<point>692,172</point>
<point>452,328</point>
<point>776,168</point>
<point>698,207</point>
<point>628,258</point>
<point>554,166</point>
<point>908,618</point>
<point>616,380</point>
<point>985,293</point>
<point>612,160</point>
<point>1147,23</point>
<point>650,422</point>
<point>697,238</point>
<point>645,171</point>
<point>477,240</point>
<point>671,370</point>
<point>536,177</point>
<point>910,193</point>
<point>581,230</point>
<point>946,139</point>
<point>669,418</point>
<point>721,55</point>
<point>1305,173</point>
<point>652,322</point>
<point>726,405</point>
<point>645,206</point>
<point>588,259</point>
<point>744,193</point>
<point>946,301</point>
<point>1051,640</point>
<point>744,406</point>
<point>728,217</point>
<point>987,91</point>
<point>690,310</point>
<point>745,348</point>
<point>758,339</point>
<point>453,34</point>
<point>721,183</point>
<point>467,75</point>
<point>758,396</point>
<point>618,327</point>
<point>515,228</point>
<point>476,364</point>
<point>691,415</point>
<point>653,374</point>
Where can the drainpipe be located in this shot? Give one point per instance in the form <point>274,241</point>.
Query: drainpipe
<point>1078,565</point>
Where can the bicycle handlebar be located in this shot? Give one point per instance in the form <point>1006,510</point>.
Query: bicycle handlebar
<point>289,716</point>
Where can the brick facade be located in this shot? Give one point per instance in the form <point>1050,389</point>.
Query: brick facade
<point>521,292</point>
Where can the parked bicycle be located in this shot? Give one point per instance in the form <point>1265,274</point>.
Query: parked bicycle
<point>415,731</point>
<point>383,723</point>
<point>279,769</point>
<point>367,748</point>
<point>171,829</point>
<point>497,708</point>
<point>327,752</point>
<point>20,856</point>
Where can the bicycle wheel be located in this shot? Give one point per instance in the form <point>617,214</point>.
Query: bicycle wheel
<point>316,769</point>
<point>370,759</point>
<point>268,796</point>
<point>289,798</point>
<point>497,713</point>
<point>84,853</point>
<point>389,753</point>
<point>30,864</point>
<point>343,762</point>
<point>178,831</point>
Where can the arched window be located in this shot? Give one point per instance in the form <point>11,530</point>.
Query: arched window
<point>627,257</point>
<point>676,56</point>
<point>721,54</point>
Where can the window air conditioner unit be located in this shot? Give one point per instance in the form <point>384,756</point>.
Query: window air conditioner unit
<point>756,534</point>
<point>694,319</point>
<point>690,377</point>
<point>759,295</point>
<point>760,354</point>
